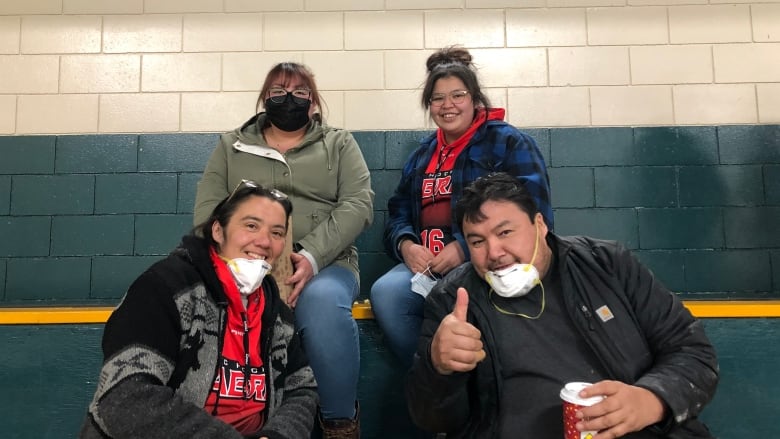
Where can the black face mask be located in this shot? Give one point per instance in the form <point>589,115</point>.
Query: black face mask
<point>290,115</point>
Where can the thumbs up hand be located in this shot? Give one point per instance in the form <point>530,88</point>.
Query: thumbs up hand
<point>457,344</point>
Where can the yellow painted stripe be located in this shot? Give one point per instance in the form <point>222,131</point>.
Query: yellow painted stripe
<point>734,308</point>
<point>54,315</point>
<point>84,314</point>
<point>362,311</point>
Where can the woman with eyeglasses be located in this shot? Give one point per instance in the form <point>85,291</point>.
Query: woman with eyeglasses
<point>472,140</point>
<point>202,346</point>
<point>321,168</point>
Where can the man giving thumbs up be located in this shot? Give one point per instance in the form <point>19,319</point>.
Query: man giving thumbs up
<point>531,311</point>
<point>457,346</point>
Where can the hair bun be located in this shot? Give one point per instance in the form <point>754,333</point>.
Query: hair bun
<point>448,55</point>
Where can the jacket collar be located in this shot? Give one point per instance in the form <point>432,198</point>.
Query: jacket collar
<point>195,250</point>
<point>250,133</point>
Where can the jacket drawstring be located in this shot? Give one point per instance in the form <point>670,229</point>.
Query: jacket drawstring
<point>327,156</point>
<point>220,359</point>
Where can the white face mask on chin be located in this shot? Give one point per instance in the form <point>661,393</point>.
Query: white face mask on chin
<point>248,273</point>
<point>516,280</point>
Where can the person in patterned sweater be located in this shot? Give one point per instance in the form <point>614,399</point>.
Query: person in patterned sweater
<point>202,346</point>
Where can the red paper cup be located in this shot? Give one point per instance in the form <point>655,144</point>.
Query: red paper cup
<point>570,394</point>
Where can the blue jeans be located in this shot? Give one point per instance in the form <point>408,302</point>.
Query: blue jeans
<point>323,316</point>
<point>398,311</point>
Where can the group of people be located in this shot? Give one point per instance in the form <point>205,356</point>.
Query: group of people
<point>488,310</point>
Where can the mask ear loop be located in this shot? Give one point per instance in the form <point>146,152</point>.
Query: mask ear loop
<point>430,273</point>
<point>536,248</point>
<point>526,268</point>
<point>229,262</point>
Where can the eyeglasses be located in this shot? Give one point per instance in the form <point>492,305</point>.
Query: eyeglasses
<point>456,96</point>
<point>276,194</point>
<point>300,95</point>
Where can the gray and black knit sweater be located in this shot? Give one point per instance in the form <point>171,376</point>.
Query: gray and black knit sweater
<point>160,350</point>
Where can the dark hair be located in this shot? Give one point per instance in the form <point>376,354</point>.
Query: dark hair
<point>286,71</point>
<point>498,186</point>
<point>227,207</point>
<point>453,61</point>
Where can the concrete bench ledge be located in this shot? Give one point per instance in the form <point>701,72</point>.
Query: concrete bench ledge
<point>362,311</point>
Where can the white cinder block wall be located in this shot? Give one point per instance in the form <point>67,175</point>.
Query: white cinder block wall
<point>136,66</point>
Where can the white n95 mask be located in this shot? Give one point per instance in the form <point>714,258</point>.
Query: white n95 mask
<point>516,280</point>
<point>248,273</point>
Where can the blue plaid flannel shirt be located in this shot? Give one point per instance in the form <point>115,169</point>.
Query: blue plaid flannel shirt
<point>496,146</point>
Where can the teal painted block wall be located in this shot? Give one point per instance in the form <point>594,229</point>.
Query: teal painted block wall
<point>49,373</point>
<point>82,216</point>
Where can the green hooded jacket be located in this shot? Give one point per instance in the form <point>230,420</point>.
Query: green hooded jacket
<point>325,177</point>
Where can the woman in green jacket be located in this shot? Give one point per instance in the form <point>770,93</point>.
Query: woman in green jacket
<point>321,168</point>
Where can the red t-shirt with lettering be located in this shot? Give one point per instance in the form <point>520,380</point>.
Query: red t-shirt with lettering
<point>233,399</point>
<point>436,214</point>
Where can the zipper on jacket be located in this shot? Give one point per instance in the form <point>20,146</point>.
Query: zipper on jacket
<point>588,316</point>
<point>265,350</point>
<point>246,355</point>
<point>266,337</point>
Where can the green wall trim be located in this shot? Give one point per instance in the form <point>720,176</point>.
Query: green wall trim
<point>62,362</point>
<point>699,204</point>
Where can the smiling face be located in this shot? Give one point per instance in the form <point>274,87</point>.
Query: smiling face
<point>506,237</point>
<point>256,230</point>
<point>453,119</point>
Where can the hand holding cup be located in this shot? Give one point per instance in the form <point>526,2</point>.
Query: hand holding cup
<point>624,409</point>
<point>573,403</point>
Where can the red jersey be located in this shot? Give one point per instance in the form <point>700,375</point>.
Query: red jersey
<point>436,213</point>
<point>238,396</point>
